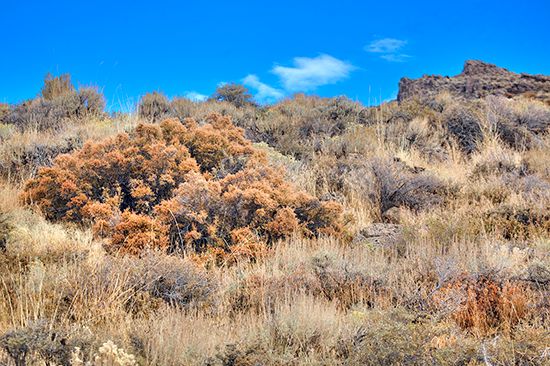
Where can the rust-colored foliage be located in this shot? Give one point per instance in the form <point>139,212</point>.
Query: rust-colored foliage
<point>180,185</point>
<point>484,304</point>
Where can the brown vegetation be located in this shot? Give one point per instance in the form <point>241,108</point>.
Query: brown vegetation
<point>189,186</point>
<point>313,231</point>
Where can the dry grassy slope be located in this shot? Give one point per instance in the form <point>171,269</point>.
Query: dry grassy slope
<point>462,187</point>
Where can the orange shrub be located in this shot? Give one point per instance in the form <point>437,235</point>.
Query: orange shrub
<point>179,185</point>
<point>484,304</point>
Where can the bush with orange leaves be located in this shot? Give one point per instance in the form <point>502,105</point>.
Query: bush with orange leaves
<point>182,186</point>
<point>485,305</point>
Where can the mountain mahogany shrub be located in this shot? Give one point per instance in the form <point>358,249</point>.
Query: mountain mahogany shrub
<point>206,213</point>
<point>133,172</point>
<point>178,184</point>
<point>218,144</point>
<point>235,94</point>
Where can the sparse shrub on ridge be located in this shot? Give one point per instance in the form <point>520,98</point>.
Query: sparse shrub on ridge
<point>154,107</point>
<point>57,86</point>
<point>92,102</point>
<point>298,126</point>
<point>40,114</point>
<point>183,108</point>
<point>59,101</point>
<point>186,185</point>
<point>233,93</point>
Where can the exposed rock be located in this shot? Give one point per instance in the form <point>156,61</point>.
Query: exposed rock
<point>478,79</point>
<point>382,235</point>
<point>539,274</point>
<point>392,216</point>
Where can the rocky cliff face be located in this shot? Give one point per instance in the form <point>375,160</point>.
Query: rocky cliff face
<point>477,79</point>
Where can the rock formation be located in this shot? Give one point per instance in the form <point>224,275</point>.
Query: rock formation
<point>478,79</point>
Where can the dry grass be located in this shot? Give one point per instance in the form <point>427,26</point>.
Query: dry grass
<point>468,285</point>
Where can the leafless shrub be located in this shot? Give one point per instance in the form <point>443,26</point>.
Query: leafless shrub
<point>343,112</point>
<point>154,107</point>
<point>57,86</point>
<point>322,276</point>
<point>464,126</point>
<point>499,165</point>
<point>535,116</point>
<point>92,102</point>
<point>502,118</point>
<point>170,279</point>
<point>41,114</point>
<point>59,101</point>
<point>183,108</point>
<point>517,121</point>
<point>393,186</point>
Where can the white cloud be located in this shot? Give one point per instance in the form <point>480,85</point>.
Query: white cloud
<point>265,93</point>
<point>395,57</point>
<point>389,49</point>
<point>310,73</point>
<point>196,97</point>
<point>386,45</point>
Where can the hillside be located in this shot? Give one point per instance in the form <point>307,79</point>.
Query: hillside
<point>478,79</point>
<point>310,231</point>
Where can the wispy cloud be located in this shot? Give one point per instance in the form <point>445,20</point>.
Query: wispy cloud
<point>389,49</point>
<point>196,97</point>
<point>395,57</point>
<point>386,45</point>
<point>309,73</point>
<point>265,93</point>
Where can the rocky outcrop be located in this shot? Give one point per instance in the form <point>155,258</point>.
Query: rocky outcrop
<point>382,235</point>
<point>478,79</point>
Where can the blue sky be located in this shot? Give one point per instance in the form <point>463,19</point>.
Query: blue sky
<point>354,48</point>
